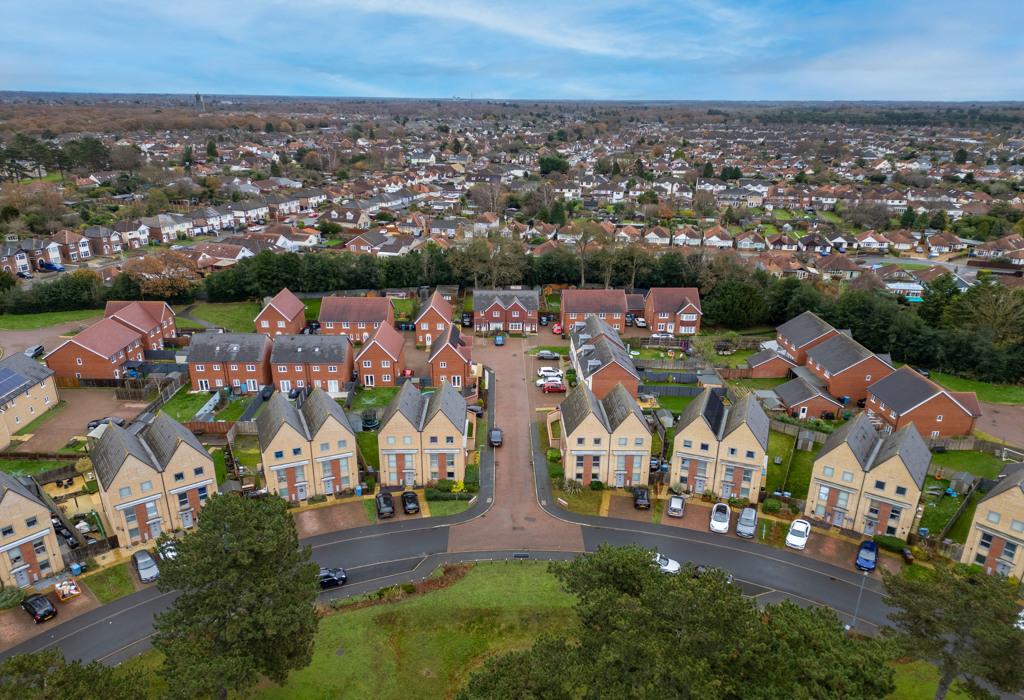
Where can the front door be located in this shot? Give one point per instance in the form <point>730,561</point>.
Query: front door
<point>456,380</point>
<point>186,519</point>
<point>300,490</point>
<point>410,477</point>
<point>155,528</point>
<point>698,485</point>
<point>286,385</point>
<point>869,526</point>
<point>803,411</point>
<point>332,386</point>
<point>428,339</point>
<point>620,479</point>
<point>21,578</point>
<point>204,385</point>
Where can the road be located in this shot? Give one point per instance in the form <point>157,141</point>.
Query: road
<point>513,516</point>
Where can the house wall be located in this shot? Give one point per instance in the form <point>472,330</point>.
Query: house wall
<point>776,368</point>
<point>854,381</point>
<point>188,471</point>
<point>998,557</point>
<point>132,475</point>
<point>955,421</point>
<point>273,322</point>
<point>442,438</point>
<point>629,454</point>
<point>514,314</point>
<point>335,464</point>
<point>285,472</point>
<point>16,511</point>
<point>382,370</point>
<point>683,461</point>
<point>815,407</point>
<point>26,407</point>
<point>604,380</point>
<point>431,326</point>
<point>456,367</point>
<point>399,440</point>
<point>886,501</point>
<point>578,459</point>
<point>318,374</point>
<point>615,320</point>
<point>64,361</point>
<point>800,354</point>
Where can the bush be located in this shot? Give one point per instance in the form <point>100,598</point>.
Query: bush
<point>436,495</point>
<point>472,475</point>
<point>471,487</point>
<point>10,597</point>
<point>890,543</point>
<point>371,483</point>
<point>572,487</point>
<point>555,471</point>
<point>597,486</point>
<point>445,485</point>
<point>409,588</point>
<point>771,505</point>
<point>554,455</point>
<point>458,487</point>
<point>735,502</point>
<point>794,509</point>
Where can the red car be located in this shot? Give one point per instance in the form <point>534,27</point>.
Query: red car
<point>557,329</point>
<point>553,388</point>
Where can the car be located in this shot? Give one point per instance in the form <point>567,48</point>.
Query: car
<point>385,505</point>
<point>25,275</point>
<point>39,607</point>
<point>555,387</point>
<point>495,437</point>
<point>51,267</point>
<point>145,566</point>
<point>548,355</point>
<point>557,329</point>
<point>746,524</point>
<point>266,392</point>
<point>629,321</point>
<point>662,336</point>
<point>640,322</point>
<point>666,565</point>
<point>641,499</point>
<point>799,533</point>
<point>168,549</point>
<point>922,371</point>
<point>370,419</point>
<point>294,393</point>
<point>499,340</point>
<point>34,351</point>
<point>475,410</point>
<point>867,556</point>
<point>332,577</point>
<point>116,420</point>
<point>631,316</point>
<point>675,506</point>
<point>543,320</point>
<point>467,320</point>
<point>541,381</point>
<point>721,513</point>
<point>549,372</point>
<point>410,502</point>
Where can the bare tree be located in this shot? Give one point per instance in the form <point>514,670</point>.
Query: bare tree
<point>488,195</point>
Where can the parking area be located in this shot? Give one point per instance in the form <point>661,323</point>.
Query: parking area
<point>338,516</point>
<point>16,626</point>
<point>49,338</point>
<point>80,407</point>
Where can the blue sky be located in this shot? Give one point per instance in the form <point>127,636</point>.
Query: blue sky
<point>590,49</point>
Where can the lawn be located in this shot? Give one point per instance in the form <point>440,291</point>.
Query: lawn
<point>562,350</point>
<point>553,302</point>
<point>737,359</point>
<point>312,308</point>
<point>757,384</point>
<point>980,464</point>
<point>234,410</point>
<point>27,467</point>
<point>938,509</point>
<point>675,404</point>
<point>27,322</point>
<point>799,480</point>
<point>238,316</point>
<point>781,215</point>
<point>110,584</point>
<point>373,398</point>
<point>991,393</point>
<point>779,445</point>
<point>219,467</point>
<point>586,502</point>
<point>917,680</point>
<point>247,451</point>
<point>186,324</point>
<point>769,230</point>
<point>962,527</point>
<point>183,405</point>
<point>370,509</point>
<point>367,442</point>
<point>403,307</point>
<point>441,508</point>
<point>33,426</point>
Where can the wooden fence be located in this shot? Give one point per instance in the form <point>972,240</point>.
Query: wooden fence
<point>795,430</point>
<point>219,427</point>
<point>734,372</point>
<point>971,443</point>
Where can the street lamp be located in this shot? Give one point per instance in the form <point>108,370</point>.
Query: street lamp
<point>856,610</point>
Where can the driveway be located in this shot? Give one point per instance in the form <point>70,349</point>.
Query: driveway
<point>49,337</point>
<point>339,516</point>
<point>1003,421</point>
<point>16,626</point>
<point>80,407</point>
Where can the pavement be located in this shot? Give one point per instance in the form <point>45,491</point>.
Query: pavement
<point>49,337</point>
<point>80,407</point>
<point>1003,421</point>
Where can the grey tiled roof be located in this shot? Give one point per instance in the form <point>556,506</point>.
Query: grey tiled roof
<point>859,435</point>
<point>594,327</point>
<point>838,353</point>
<point>903,389</point>
<point>911,448</point>
<point>292,349</point>
<point>763,356</point>
<point>110,452</point>
<point>9,482</point>
<point>797,390</point>
<point>708,407</point>
<point>419,408</point>
<point>606,352</point>
<point>163,436</point>
<point>319,407</point>
<point>279,411</point>
<point>578,404</point>
<point>618,406</point>
<point>19,373</point>
<point>1011,476</point>
<point>227,347</point>
<point>804,328</point>
<point>408,402</point>
<point>748,411</point>
<point>528,298</point>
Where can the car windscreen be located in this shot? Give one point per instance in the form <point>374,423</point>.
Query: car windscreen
<point>748,517</point>
<point>868,555</point>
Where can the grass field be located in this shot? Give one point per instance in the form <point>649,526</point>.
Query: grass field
<point>799,479</point>
<point>312,308</point>
<point>219,467</point>
<point>183,405</point>
<point>586,502</point>
<point>917,680</point>
<point>233,410</point>
<point>441,508</point>
<point>185,324</point>
<point>675,404</point>
<point>779,445</point>
<point>962,527</point>
<point>562,350</point>
<point>737,359</point>
<point>373,398</point>
<point>991,393</point>
<point>236,316</point>
<point>367,442</point>
<point>403,307</point>
<point>28,322</point>
<point>27,467</point>
<point>110,584</point>
<point>758,383</point>
<point>938,509</point>
<point>980,464</point>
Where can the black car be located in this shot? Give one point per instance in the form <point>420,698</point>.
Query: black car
<point>116,420</point>
<point>467,320</point>
<point>39,607</point>
<point>410,502</point>
<point>370,420</point>
<point>385,505</point>
<point>266,392</point>
<point>544,319</point>
<point>332,578</point>
<point>294,393</point>
<point>642,499</point>
<point>25,275</point>
<point>496,437</point>
<point>475,410</point>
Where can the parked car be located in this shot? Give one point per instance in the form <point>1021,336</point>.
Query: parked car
<point>543,320</point>
<point>145,566</point>
<point>662,336</point>
<point>499,340</point>
<point>720,515</point>
<point>332,578</point>
<point>548,355</point>
<point>548,380</point>
<point>922,371</point>
<point>640,322</point>
<point>629,319</point>
<point>34,351</point>
<point>25,275</point>
<point>666,565</point>
<point>51,267</point>
<point>294,393</point>
<point>746,524</point>
<point>475,410</point>
<point>549,372</point>
<point>410,502</point>
<point>116,420</point>
<point>266,392</point>
<point>641,499</point>
<point>467,320</point>
<point>39,607</point>
<point>370,419</point>
<point>495,437</point>
<point>799,533</point>
<point>675,506</point>
<point>867,556</point>
<point>699,570</point>
<point>557,329</point>
<point>385,505</point>
<point>553,387</point>
<point>168,549</point>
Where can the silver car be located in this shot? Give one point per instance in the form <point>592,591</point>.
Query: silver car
<point>746,525</point>
<point>145,566</point>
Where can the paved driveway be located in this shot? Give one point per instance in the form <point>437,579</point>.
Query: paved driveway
<point>1002,421</point>
<point>80,407</point>
<point>49,337</point>
<point>16,626</point>
<point>339,516</point>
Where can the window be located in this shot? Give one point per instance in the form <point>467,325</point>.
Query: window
<point>31,522</point>
<point>704,447</point>
<point>282,368</point>
<point>938,419</point>
<point>199,368</point>
<point>331,368</point>
<point>1017,526</point>
<point>183,500</point>
<point>39,546</point>
<point>179,476</point>
<point>324,446</point>
<point>433,439</point>
<point>234,368</point>
<point>986,540</point>
<point>216,368</point>
<point>442,364</point>
<point>385,364</point>
<point>867,377</point>
<point>316,368</point>
<point>385,378</point>
<point>296,451</point>
<point>993,517</point>
<point>732,451</point>
<point>342,444</point>
<point>828,471</point>
<point>880,485</point>
<point>901,490</point>
<point>7,530</point>
<point>391,441</point>
<point>623,441</point>
<point>638,442</point>
<point>597,441</point>
<point>407,439</point>
<point>146,486</point>
<point>250,368</point>
<point>687,443</point>
<point>278,454</point>
<point>264,324</point>
<point>848,477</point>
<point>750,454</point>
<point>367,364</point>
<point>124,492</point>
<point>449,440</point>
<point>1010,551</point>
<point>895,513</point>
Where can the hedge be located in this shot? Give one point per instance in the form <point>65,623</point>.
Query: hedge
<point>771,505</point>
<point>436,495</point>
<point>893,544</point>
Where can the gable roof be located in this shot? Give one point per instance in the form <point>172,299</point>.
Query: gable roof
<point>453,339</point>
<point>804,328</point>
<point>106,338</point>
<point>606,351</point>
<point>355,309</point>
<point>18,374</point>
<point>708,407</point>
<point>907,444</point>
<point>227,347</point>
<point>859,435</point>
<point>839,353</point>
<point>905,390</point>
<point>279,411</point>
<point>9,483</point>
<point>581,301</point>
<point>389,340</point>
<point>796,391</point>
<point>529,299</point>
<point>1011,476</point>
<point>440,305</point>
<point>318,408</point>
<point>766,356</point>
<point>619,405</point>
<point>286,303</point>
<point>747,411</point>
<point>419,408</point>
<point>141,315</point>
<point>164,435</point>
<point>672,300</point>
<point>310,348</point>
<point>578,404</point>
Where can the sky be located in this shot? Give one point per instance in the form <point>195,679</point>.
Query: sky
<point>519,49</point>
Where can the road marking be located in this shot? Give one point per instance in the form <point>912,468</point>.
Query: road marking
<point>120,649</point>
<point>105,619</point>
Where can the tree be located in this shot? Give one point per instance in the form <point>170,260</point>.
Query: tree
<point>587,234</point>
<point>553,164</point>
<point>186,157</point>
<point>211,148</point>
<point>275,169</point>
<point>963,621</point>
<point>166,276</point>
<point>126,158</point>
<point>46,675</point>
<point>708,171</point>
<point>7,281</point>
<point>248,600</point>
<point>908,218</point>
<point>960,156</point>
<point>939,219</point>
<point>268,127</point>
<point>704,203</point>
<point>937,295</point>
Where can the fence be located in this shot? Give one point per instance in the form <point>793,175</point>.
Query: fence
<point>970,443</point>
<point>735,372</point>
<point>50,475</point>
<point>690,365</point>
<point>77,383</point>
<point>675,377</point>
<point>166,388</point>
<point>796,430</point>
<point>201,427</point>
<point>674,390</point>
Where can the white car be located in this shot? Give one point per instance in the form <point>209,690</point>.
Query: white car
<point>640,322</point>
<point>549,372</point>
<point>549,380</point>
<point>662,336</point>
<point>720,516</point>
<point>799,533</point>
<point>666,565</point>
<point>675,506</point>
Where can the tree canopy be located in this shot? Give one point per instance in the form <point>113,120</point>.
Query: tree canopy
<point>46,675</point>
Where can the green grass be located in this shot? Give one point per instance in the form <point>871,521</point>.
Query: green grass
<point>233,411</point>
<point>370,509</point>
<point>219,467</point>
<point>367,442</point>
<point>187,324</point>
<point>247,450</point>
<point>779,445</point>
<point>183,405</point>
<point>769,230</point>
<point>562,350</point>
<point>917,680</point>
<point>33,426</point>
<point>799,479</point>
<point>312,308</point>
<point>237,317</point>
<point>110,584</point>
<point>27,322</point>
<point>962,527</point>
<point>781,215</point>
<point>441,508</point>
<point>403,307</point>
<point>553,302</point>
<point>938,509</point>
<point>586,502</point>
<point>27,467</point>
<point>373,398</point>
<point>980,464</point>
<point>758,383</point>
<point>990,393</point>
<point>913,266</point>
<point>829,216</point>
<point>675,404</point>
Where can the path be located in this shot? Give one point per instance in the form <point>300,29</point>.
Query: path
<point>1003,421</point>
<point>187,313</point>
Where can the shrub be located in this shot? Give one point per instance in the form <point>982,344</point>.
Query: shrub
<point>890,543</point>
<point>10,597</point>
<point>445,485</point>
<point>371,484</point>
<point>794,509</point>
<point>555,471</point>
<point>435,495</point>
<point>771,505</point>
<point>458,487</point>
<point>409,588</point>
<point>678,488</point>
<point>597,486</point>
<point>471,487</point>
<point>472,475</point>
<point>572,487</point>
<point>318,498</point>
<point>554,455</point>
<point>735,502</point>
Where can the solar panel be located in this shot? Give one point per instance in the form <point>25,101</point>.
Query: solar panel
<point>10,383</point>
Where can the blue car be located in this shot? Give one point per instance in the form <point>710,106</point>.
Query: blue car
<point>867,556</point>
<point>51,267</point>
<point>499,340</point>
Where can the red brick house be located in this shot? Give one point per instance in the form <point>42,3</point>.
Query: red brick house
<point>285,314</point>
<point>906,397</point>
<point>434,321</point>
<point>846,367</point>
<point>356,317</point>
<point>600,359</point>
<point>451,360</point>
<point>607,304</point>
<point>769,364</point>
<point>382,359</point>
<point>805,400</point>
<point>505,310</point>
<point>153,320</point>
<point>237,360</point>
<point>99,352</point>
<point>673,310</point>
<point>299,361</point>
<point>801,333</point>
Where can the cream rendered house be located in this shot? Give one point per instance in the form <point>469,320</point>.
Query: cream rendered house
<point>28,545</point>
<point>423,437</point>
<point>27,391</point>
<point>996,539</point>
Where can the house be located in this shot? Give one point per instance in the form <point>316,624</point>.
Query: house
<point>284,314</point>
<point>717,237</point>
<point>40,251</point>
<point>307,451</point>
<point>802,399</point>
<point>434,320</point>
<point>839,267</point>
<point>600,358</point>
<point>871,240</point>
<point>27,391</point>
<point>768,364</point>
<point>801,333</point>
<point>153,480</point>
<point>101,351</point>
<point>607,304</point>
<point>907,398</point>
<point>237,360</point>
<point>605,440</point>
<point>846,367</point>
<point>13,259</point>
<point>673,310</point>
<point>422,437</point>
<point>356,317</point>
<point>867,482</point>
<point>103,240</point>
<point>28,544</point>
<point>73,245</point>
<point>320,361</point>
<point>348,217</point>
<point>381,361</point>
<point>153,320</point>
<point>451,360</point>
<point>996,538</point>
<point>505,310</point>
<point>719,448</point>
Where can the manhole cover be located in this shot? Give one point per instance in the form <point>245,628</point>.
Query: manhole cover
<point>340,651</point>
